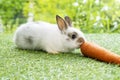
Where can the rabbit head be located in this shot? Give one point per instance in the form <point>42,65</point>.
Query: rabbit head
<point>73,37</point>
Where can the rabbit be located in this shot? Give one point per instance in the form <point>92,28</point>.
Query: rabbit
<point>52,38</point>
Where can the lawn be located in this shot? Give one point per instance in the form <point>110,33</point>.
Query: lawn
<point>16,64</point>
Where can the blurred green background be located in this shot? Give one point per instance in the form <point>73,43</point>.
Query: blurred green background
<point>91,16</point>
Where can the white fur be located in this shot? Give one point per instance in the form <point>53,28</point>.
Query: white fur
<point>45,36</point>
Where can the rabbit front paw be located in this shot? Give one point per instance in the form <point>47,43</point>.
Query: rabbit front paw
<point>52,51</point>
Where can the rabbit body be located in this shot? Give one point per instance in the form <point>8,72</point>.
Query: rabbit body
<point>47,37</point>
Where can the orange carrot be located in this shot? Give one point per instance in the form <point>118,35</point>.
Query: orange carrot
<point>93,50</point>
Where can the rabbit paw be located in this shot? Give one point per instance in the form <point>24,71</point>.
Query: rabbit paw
<point>52,51</point>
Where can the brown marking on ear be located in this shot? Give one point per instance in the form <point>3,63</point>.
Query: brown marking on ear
<point>61,23</point>
<point>68,20</point>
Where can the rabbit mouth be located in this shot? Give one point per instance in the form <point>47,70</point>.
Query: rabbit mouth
<point>78,46</point>
<point>80,41</point>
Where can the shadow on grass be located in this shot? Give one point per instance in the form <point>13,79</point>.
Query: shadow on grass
<point>77,54</point>
<point>69,56</point>
<point>42,51</point>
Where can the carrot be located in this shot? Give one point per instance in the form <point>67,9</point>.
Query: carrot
<point>95,51</point>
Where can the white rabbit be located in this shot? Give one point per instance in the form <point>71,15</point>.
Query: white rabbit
<point>51,38</point>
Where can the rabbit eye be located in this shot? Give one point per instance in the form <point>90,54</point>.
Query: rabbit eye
<point>74,36</point>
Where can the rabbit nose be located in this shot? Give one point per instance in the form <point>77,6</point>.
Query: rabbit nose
<point>80,40</point>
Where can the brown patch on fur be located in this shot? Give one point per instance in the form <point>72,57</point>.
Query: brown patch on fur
<point>80,40</point>
<point>29,39</point>
<point>68,39</point>
<point>70,34</point>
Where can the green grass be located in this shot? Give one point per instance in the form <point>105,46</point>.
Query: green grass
<point>16,64</point>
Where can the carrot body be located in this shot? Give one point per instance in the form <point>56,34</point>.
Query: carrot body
<point>93,50</point>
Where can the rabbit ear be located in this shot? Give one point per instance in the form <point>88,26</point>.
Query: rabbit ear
<point>61,23</point>
<point>68,20</point>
